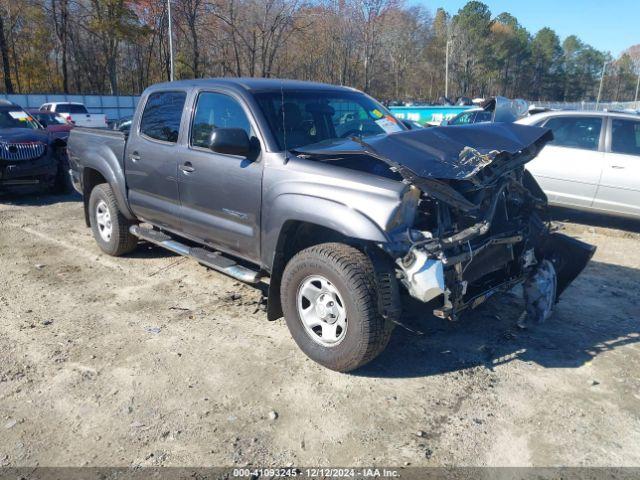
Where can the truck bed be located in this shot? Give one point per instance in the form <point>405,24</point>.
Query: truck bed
<point>87,143</point>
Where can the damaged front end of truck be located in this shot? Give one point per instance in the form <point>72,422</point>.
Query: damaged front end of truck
<point>471,221</point>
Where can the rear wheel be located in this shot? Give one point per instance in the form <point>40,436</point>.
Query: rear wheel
<point>110,228</point>
<point>333,307</point>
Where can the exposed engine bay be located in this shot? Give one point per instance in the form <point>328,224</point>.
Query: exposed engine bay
<point>471,222</point>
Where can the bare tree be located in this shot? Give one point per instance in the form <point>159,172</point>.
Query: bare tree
<point>190,14</point>
<point>4,51</point>
<point>60,16</point>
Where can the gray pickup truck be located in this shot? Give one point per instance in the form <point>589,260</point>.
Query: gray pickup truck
<point>319,192</point>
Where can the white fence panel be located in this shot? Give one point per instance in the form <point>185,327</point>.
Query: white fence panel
<point>114,107</point>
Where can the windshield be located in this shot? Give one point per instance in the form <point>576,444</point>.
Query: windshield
<point>16,118</point>
<point>307,117</point>
<point>70,108</point>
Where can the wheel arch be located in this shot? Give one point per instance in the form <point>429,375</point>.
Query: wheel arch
<point>297,235</point>
<point>91,177</point>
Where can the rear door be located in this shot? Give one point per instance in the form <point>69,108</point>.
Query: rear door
<point>619,189</point>
<point>221,194</point>
<point>151,160</point>
<point>568,168</point>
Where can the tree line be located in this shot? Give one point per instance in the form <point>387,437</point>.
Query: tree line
<point>385,47</point>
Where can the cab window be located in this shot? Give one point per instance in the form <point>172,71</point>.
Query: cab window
<point>217,110</point>
<point>575,132</point>
<point>71,108</point>
<point>161,116</point>
<point>483,117</point>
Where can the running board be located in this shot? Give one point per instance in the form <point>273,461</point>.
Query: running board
<point>214,260</point>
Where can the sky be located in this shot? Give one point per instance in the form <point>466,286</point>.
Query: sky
<point>608,25</point>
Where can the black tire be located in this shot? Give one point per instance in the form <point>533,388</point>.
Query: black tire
<point>62,181</point>
<point>370,307</point>
<point>120,241</point>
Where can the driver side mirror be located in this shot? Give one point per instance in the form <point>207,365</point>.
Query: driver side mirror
<point>230,141</point>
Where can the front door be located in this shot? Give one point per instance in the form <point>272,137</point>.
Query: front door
<point>619,189</point>
<point>150,160</point>
<point>568,168</point>
<point>221,194</point>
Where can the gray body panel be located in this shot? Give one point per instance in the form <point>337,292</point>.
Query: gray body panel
<point>355,204</point>
<point>102,151</point>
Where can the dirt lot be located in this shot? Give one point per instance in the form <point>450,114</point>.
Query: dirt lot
<point>153,360</point>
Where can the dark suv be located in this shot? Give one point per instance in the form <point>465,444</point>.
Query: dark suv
<point>29,154</point>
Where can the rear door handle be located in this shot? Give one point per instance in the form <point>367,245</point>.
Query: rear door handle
<point>617,167</point>
<point>187,167</point>
<point>135,156</point>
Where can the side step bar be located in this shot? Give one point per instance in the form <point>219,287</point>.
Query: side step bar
<point>208,258</point>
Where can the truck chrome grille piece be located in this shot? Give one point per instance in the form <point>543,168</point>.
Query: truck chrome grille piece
<point>21,151</point>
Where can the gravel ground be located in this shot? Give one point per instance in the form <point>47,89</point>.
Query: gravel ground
<point>153,360</point>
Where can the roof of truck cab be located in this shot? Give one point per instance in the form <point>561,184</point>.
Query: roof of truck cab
<point>250,84</point>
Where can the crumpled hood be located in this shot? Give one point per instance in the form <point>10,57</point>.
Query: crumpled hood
<point>19,135</point>
<point>443,153</point>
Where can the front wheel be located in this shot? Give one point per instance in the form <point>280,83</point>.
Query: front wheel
<point>332,306</point>
<point>110,228</point>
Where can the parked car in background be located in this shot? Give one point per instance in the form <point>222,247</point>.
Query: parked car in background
<point>593,162</point>
<point>495,109</point>
<point>77,114</point>
<point>29,154</point>
<point>475,115</point>
<point>53,122</point>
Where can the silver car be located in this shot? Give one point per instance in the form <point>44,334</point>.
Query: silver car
<point>593,163</point>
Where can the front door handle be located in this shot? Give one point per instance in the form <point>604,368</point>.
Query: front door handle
<point>617,167</point>
<point>187,167</point>
<point>135,156</point>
